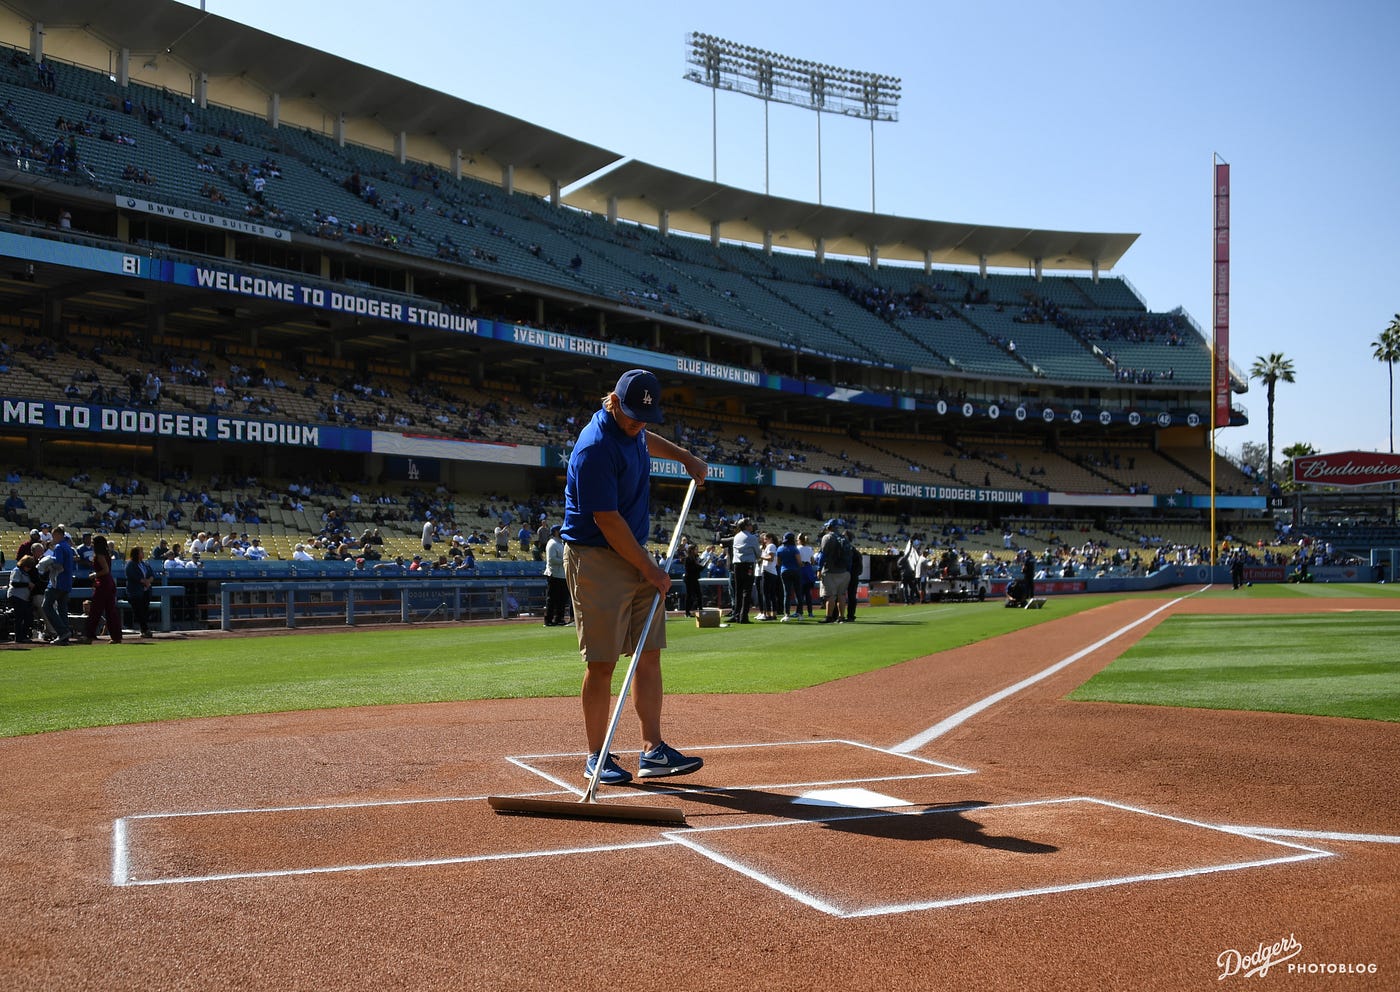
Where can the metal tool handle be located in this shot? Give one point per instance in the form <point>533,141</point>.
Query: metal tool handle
<point>590,795</point>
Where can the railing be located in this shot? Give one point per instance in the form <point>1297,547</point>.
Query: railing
<point>253,604</point>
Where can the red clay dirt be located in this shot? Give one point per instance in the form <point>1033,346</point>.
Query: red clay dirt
<point>353,849</point>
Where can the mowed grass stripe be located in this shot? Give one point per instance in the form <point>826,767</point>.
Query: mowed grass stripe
<point>1345,664</point>
<point>1307,590</point>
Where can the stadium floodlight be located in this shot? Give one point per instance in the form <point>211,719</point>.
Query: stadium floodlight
<point>727,65</point>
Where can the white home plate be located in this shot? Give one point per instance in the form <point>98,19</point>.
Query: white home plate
<point>849,798</point>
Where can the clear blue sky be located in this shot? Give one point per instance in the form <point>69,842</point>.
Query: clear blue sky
<point>1077,116</point>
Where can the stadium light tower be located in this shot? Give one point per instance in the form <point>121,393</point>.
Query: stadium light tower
<point>728,65</point>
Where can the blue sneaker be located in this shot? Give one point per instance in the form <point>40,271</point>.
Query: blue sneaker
<point>612,774</point>
<point>666,760</point>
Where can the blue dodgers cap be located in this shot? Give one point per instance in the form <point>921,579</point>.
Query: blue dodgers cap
<point>832,524</point>
<point>640,395</point>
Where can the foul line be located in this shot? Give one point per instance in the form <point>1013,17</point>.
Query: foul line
<point>968,712</point>
<point>1313,834</point>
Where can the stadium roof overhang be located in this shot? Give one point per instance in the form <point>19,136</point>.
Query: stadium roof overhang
<point>220,47</point>
<point>223,48</point>
<point>640,192</point>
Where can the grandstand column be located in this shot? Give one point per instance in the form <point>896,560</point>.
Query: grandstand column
<point>471,296</point>
<point>274,110</point>
<point>1039,270</point>
<point>508,179</point>
<point>401,147</point>
<point>554,192</point>
<point>663,222</point>
<point>612,209</point>
<point>36,41</point>
<point>539,311</point>
<point>768,242</point>
<point>928,261</point>
<point>339,129</point>
<point>821,251</point>
<point>124,68</point>
<point>201,90</point>
<point>714,233</point>
<point>1095,268</point>
<point>874,256</point>
<point>456,163</point>
<point>52,322</point>
<point>982,266</point>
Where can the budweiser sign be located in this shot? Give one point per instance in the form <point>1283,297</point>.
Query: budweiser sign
<point>1347,468</point>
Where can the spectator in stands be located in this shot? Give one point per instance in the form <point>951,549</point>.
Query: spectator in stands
<point>255,551</point>
<point>103,604</point>
<point>542,536</point>
<point>27,546</point>
<point>139,579</point>
<point>502,540</point>
<point>299,553</point>
<point>60,572</point>
<point>429,529</point>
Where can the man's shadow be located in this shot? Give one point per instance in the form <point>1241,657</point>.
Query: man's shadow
<point>942,821</point>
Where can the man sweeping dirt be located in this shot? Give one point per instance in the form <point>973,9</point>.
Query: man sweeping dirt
<point>612,579</point>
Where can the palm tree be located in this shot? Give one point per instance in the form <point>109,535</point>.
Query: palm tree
<point>1271,370</point>
<point>1386,348</point>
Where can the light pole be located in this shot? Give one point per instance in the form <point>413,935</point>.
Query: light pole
<point>728,65</point>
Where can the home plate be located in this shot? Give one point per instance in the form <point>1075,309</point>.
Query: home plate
<point>849,798</point>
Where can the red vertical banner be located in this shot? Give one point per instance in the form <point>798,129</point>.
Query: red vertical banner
<point>1221,324</point>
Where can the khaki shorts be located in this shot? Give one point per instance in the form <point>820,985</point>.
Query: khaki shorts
<point>611,602</point>
<point>835,584</point>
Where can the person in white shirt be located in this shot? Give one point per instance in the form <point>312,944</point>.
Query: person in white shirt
<point>770,587</point>
<point>301,554</point>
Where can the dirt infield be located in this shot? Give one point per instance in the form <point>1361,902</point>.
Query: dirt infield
<point>1032,844</point>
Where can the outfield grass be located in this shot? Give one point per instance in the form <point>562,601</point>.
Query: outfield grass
<point>1334,664</point>
<point>48,688</point>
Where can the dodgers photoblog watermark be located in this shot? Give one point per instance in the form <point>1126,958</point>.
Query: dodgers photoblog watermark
<point>1257,963</point>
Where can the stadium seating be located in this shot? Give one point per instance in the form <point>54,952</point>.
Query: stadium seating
<point>780,297</point>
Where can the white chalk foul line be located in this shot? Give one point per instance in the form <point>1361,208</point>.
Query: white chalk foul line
<point>1314,834</point>
<point>968,712</point>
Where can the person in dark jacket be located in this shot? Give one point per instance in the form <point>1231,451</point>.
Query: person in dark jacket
<point>139,579</point>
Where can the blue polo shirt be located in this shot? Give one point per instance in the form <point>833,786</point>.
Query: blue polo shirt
<point>607,471</point>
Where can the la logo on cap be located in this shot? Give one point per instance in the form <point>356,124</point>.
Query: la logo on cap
<point>646,397</point>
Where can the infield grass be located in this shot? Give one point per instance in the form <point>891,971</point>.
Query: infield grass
<point>48,688</point>
<point>1326,664</point>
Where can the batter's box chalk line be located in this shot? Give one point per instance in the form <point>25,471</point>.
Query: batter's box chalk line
<point>936,769</point>
<point>695,840</point>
